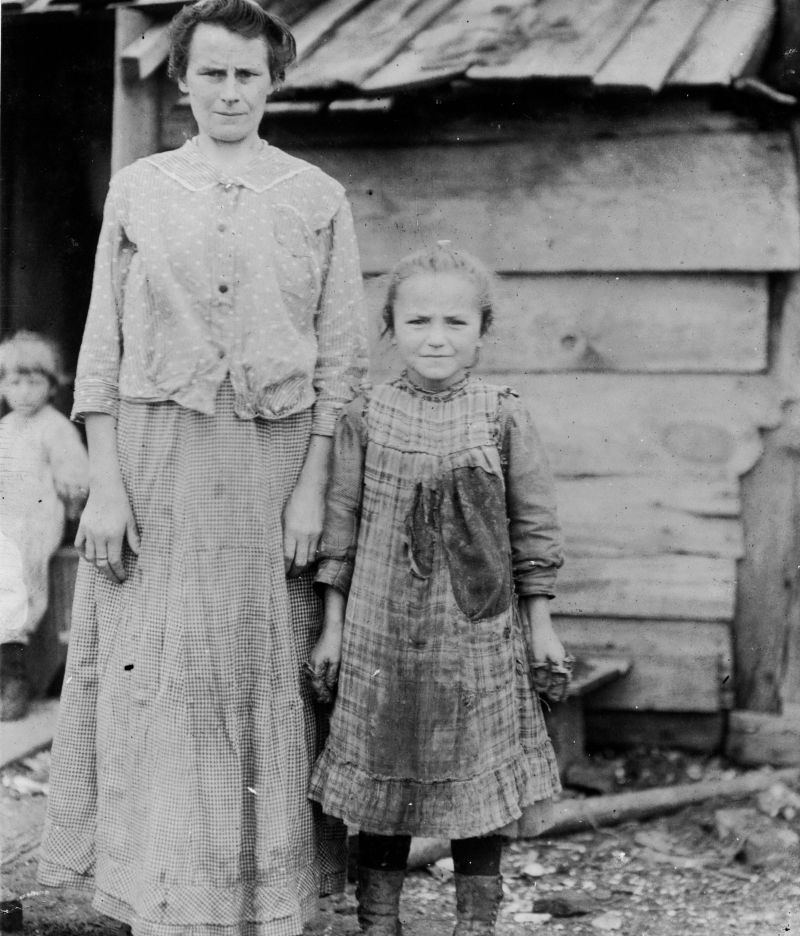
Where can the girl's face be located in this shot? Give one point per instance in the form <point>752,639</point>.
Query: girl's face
<point>26,393</point>
<point>437,327</point>
<point>228,81</point>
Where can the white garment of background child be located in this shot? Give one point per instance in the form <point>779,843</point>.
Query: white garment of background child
<point>44,476</point>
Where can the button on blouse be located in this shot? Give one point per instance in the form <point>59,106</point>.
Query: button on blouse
<point>199,277</point>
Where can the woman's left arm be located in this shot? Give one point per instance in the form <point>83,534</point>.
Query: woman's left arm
<point>305,510</point>
<point>338,375</point>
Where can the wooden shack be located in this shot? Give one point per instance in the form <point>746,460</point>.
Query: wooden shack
<point>629,168</point>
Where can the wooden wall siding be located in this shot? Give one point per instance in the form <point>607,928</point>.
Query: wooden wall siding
<point>704,324</point>
<point>728,44</point>
<point>678,666</point>
<point>708,202</point>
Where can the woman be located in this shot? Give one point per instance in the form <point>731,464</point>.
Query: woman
<point>224,334</point>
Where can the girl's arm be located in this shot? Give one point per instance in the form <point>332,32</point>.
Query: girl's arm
<point>327,654</point>
<point>69,463</point>
<point>107,519</point>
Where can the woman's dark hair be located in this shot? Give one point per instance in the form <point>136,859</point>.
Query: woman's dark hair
<point>441,258</point>
<point>248,18</point>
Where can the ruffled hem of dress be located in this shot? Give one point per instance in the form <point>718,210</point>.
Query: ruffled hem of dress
<point>447,809</point>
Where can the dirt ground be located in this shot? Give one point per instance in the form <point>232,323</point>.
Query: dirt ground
<point>696,872</point>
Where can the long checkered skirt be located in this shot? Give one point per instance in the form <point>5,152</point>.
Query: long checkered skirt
<point>186,735</point>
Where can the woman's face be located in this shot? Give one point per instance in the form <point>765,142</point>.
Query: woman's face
<point>228,81</point>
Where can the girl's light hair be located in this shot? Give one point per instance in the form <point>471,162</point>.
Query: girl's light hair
<point>443,257</point>
<point>28,352</point>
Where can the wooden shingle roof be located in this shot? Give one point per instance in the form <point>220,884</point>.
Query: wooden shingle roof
<point>369,48</point>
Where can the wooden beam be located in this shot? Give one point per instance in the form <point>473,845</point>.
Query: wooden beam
<point>677,666</point>
<point>656,41</point>
<point>727,43</point>
<point>634,323</point>
<point>755,738</point>
<point>692,202</point>
<point>136,111</point>
<point>571,40</point>
<point>705,428</point>
<point>684,730</point>
<point>664,588</point>
<point>146,54</point>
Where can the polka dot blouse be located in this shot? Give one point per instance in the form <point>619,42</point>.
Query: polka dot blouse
<point>200,276</point>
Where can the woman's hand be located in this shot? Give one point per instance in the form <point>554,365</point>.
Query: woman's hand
<point>304,513</point>
<point>107,521</point>
<point>302,528</point>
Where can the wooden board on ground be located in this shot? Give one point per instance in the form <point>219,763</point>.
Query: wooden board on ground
<point>20,738</point>
<point>761,738</point>
<point>659,587</point>
<point>653,45</point>
<point>699,202</point>
<point>661,323</point>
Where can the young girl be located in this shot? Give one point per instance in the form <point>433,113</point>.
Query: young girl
<point>440,510</point>
<point>44,474</point>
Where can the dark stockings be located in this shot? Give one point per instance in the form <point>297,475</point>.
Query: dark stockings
<point>471,856</point>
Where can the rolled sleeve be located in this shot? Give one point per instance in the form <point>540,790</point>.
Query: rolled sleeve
<point>341,326</point>
<point>97,380</point>
<point>535,534</point>
<point>337,548</point>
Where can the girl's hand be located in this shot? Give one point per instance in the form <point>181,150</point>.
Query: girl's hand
<point>106,522</point>
<point>323,663</point>
<point>543,643</point>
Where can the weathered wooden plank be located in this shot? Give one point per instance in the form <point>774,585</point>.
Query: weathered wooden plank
<point>677,666</point>
<point>727,42</point>
<point>768,573</point>
<point>696,202</point>
<point>615,323</point>
<point>661,587</point>
<point>787,352</point>
<point>572,39</point>
<point>364,43</point>
<point>687,731</point>
<point>700,427</point>
<point>654,44</point>
<point>471,32</point>
<point>317,25</point>
<point>630,517</point>
<point>146,53</point>
<point>755,738</point>
<point>136,111</point>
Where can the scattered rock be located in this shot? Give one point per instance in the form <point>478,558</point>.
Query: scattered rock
<point>564,904</point>
<point>608,921</point>
<point>535,870</point>
<point>532,917</point>
<point>767,847</point>
<point>779,800</point>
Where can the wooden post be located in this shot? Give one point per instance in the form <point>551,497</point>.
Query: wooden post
<point>136,120</point>
<point>766,628</point>
<point>786,71</point>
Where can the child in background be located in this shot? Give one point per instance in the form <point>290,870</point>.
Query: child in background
<point>439,558</point>
<point>44,476</point>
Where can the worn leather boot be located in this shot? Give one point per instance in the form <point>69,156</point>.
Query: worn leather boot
<point>15,692</point>
<point>378,895</point>
<point>478,898</point>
